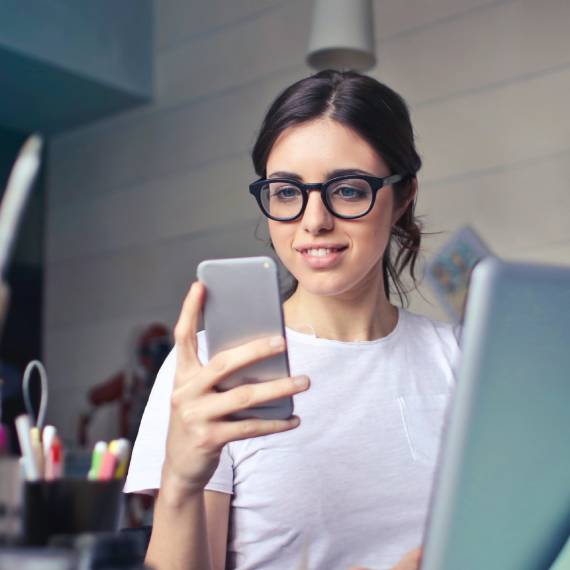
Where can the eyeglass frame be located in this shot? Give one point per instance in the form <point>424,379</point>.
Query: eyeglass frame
<point>375,183</point>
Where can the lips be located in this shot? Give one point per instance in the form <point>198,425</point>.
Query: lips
<point>321,251</point>
<point>321,256</point>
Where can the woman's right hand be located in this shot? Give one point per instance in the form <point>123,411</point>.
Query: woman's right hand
<point>199,427</point>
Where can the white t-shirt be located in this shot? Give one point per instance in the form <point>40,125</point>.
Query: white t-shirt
<point>352,483</point>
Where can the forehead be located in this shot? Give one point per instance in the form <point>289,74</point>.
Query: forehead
<point>322,145</point>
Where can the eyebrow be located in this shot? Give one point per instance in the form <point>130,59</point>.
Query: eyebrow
<point>329,175</point>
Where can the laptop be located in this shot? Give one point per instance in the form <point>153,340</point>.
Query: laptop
<point>501,497</point>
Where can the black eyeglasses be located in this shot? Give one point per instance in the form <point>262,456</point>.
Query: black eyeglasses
<point>348,197</point>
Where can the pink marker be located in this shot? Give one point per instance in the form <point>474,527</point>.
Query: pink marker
<point>3,439</point>
<point>108,466</point>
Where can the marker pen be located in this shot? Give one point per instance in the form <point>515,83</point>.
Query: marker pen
<point>23,428</point>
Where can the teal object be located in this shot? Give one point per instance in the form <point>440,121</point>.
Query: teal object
<point>563,560</point>
<point>503,488</point>
<point>65,63</point>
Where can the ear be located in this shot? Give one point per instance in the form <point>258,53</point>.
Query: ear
<point>398,212</point>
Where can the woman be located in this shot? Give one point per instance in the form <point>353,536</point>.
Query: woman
<point>350,484</point>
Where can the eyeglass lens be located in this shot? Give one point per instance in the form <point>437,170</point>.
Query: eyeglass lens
<point>284,200</point>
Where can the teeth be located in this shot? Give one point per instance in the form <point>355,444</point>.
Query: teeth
<point>320,252</point>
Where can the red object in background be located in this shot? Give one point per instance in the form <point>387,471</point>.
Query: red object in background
<point>129,388</point>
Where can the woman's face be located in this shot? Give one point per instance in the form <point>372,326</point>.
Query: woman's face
<point>327,255</point>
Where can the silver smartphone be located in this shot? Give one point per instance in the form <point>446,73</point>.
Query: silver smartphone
<point>243,304</point>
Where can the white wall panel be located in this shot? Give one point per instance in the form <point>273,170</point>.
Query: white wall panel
<point>124,283</point>
<point>157,146</point>
<point>524,206</point>
<point>65,411</point>
<point>394,19</point>
<point>276,41</point>
<point>84,354</point>
<point>520,121</point>
<point>490,47</point>
<point>179,22</point>
<point>158,209</point>
<point>551,253</point>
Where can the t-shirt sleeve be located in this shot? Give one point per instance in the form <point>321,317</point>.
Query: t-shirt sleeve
<point>223,478</point>
<point>148,452</point>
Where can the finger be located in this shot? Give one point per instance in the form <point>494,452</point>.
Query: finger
<point>225,432</point>
<point>223,365</point>
<point>218,405</point>
<point>187,327</point>
<point>229,361</point>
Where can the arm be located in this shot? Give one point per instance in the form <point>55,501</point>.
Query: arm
<point>179,537</point>
<point>190,525</point>
<point>217,519</point>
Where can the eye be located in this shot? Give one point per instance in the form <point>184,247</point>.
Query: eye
<point>349,193</point>
<point>284,192</point>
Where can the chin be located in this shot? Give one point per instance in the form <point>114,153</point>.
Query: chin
<point>324,285</point>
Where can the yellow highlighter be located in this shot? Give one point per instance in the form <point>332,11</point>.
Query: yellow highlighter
<point>35,435</point>
<point>123,454</point>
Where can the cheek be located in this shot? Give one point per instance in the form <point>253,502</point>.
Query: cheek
<point>280,234</point>
<point>370,244</point>
<point>374,234</point>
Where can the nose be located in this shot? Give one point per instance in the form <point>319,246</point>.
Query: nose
<point>316,218</point>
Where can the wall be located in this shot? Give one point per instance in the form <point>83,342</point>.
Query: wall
<point>137,200</point>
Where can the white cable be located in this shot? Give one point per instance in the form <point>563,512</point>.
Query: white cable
<point>44,392</point>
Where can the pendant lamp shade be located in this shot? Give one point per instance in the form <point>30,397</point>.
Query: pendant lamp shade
<point>342,35</point>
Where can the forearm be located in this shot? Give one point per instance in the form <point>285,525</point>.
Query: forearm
<point>179,539</point>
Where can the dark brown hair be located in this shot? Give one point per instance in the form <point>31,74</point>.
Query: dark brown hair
<point>381,117</point>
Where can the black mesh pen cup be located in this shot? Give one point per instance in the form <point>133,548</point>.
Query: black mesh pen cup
<point>70,506</point>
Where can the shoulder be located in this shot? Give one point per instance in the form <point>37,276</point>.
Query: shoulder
<point>431,335</point>
<point>429,329</point>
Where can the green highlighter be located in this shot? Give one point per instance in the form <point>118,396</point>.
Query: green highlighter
<point>96,459</point>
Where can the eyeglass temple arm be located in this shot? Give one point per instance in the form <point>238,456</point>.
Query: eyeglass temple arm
<point>392,179</point>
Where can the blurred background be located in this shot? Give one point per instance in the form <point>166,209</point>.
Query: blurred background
<point>150,110</point>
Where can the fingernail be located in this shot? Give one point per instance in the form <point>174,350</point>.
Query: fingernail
<point>295,421</point>
<point>277,342</point>
<point>301,381</point>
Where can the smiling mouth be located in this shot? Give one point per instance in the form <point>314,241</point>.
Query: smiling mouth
<point>321,251</point>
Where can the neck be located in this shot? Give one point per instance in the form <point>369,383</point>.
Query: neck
<point>363,313</point>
